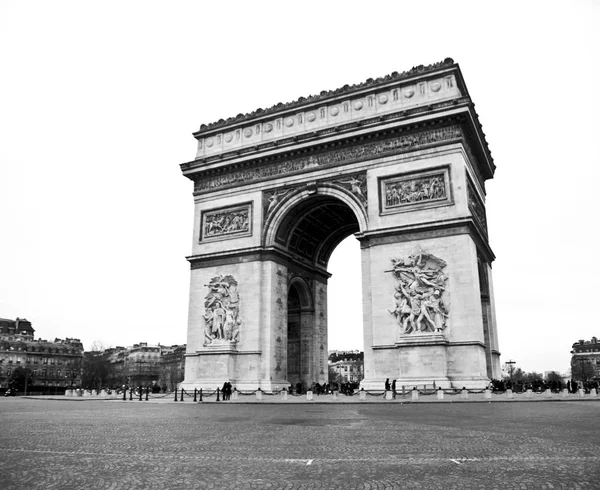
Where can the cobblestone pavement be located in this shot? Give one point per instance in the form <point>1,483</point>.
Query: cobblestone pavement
<point>68,444</point>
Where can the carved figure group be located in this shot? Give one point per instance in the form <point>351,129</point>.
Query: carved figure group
<point>226,222</point>
<point>418,304</point>
<point>356,184</point>
<point>222,310</point>
<point>416,190</point>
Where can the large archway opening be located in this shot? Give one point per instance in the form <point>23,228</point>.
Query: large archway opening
<point>309,230</point>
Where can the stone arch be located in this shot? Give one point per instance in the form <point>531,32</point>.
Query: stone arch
<point>304,293</point>
<point>341,214</point>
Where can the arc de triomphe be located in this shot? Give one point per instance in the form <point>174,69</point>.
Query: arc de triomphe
<point>400,162</point>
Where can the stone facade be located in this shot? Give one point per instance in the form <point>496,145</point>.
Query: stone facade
<point>144,365</point>
<point>51,366</point>
<point>585,360</point>
<point>399,162</point>
<point>347,365</point>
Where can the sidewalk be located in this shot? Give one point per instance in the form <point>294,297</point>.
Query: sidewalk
<point>265,398</point>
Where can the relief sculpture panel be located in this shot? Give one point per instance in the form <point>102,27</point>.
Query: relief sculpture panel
<point>406,192</point>
<point>418,296</point>
<point>227,222</point>
<point>222,311</point>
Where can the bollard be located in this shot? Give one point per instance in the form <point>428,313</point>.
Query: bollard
<point>141,391</point>
<point>464,394</point>
<point>509,393</point>
<point>147,391</point>
<point>565,393</point>
<point>548,393</point>
<point>259,394</point>
<point>594,392</point>
<point>200,395</point>
<point>580,393</point>
<point>362,394</point>
<point>175,394</point>
<point>528,393</point>
<point>440,393</point>
<point>487,394</point>
<point>309,396</point>
<point>334,394</point>
<point>181,397</point>
<point>218,399</point>
<point>414,394</point>
<point>195,395</point>
<point>235,394</point>
<point>130,394</point>
<point>389,394</point>
<point>125,395</point>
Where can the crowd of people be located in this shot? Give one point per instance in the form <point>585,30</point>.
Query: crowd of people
<point>555,385</point>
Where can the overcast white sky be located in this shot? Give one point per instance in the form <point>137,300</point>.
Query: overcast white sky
<point>98,101</point>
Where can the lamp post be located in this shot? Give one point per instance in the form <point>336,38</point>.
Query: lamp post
<point>511,363</point>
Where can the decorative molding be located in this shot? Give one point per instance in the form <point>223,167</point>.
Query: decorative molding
<point>415,190</point>
<point>340,156</point>
<point>327,94</point>
<point>227,222</point>
<point>476,206</point>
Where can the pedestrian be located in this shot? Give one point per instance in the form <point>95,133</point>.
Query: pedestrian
<point>394,389</point>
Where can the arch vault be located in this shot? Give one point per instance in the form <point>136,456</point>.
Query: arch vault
<point>399,162</point>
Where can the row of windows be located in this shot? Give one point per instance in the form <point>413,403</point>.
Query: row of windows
<point>44,360</point>
<point>42,372</point>
<point>49,350</point>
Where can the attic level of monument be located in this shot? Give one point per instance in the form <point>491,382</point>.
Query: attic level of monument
<point>370,84</point>
<point>353,144</point>
<point>418,98</point>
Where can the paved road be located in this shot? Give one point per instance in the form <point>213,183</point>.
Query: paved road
<point>108,445</point>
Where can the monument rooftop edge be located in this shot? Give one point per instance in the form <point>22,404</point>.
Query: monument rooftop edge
<point>424,96</point>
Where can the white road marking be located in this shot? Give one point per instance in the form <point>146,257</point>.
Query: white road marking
<point>454,461</point>
<point>309,462</point>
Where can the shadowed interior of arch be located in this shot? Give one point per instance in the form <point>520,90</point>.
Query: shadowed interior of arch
<point>314,227</point>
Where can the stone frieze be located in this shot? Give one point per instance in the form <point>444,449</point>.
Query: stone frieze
<point>349,154</point>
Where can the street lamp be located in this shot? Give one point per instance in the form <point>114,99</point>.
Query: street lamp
<point>511,363</point>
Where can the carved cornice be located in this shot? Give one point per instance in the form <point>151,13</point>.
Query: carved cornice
<point>424,110</point>
<point>328,94</point>
<point>252,254</point>
<point>345,153</point>
<point>433,229</point>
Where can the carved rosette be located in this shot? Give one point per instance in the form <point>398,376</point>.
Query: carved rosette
<point>418,297</point>
<point>222,311</point>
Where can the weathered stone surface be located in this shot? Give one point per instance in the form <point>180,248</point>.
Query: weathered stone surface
<point>402,166</point>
